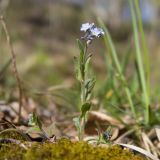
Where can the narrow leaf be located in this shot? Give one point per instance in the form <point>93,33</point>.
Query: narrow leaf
<point>85,107</point>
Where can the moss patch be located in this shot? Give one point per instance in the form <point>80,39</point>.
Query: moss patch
<point>65,150</point>
<point>14,133</point>
<point>11,152</point>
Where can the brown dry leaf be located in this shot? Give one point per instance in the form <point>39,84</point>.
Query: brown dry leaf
<point>115,133</point>
<point>102,121</point>
<point>103,117</point>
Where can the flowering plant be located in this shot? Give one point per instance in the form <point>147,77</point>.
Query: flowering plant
<point>87,82</point>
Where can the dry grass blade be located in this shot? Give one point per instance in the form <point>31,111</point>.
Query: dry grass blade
<point>140,150</point>
<point>157,129</point>
<point>148,144</point>
<point>119,139</point>
<point>58,87</point>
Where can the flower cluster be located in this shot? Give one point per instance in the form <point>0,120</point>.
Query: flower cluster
<point>91,32</point>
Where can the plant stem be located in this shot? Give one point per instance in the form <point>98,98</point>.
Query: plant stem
<point>83,94</point>
<point>83,97</point>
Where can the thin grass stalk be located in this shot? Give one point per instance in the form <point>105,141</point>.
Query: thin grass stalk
<point>126,58</point>
<point>144,44</point>
<point>109,43</point>
<point>140,62</point>
<point>15,71</point>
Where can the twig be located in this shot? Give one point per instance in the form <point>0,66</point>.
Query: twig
<point>8,122</point>
<point>15,71</point>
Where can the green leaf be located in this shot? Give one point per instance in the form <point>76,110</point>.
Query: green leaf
<point>87,62</point>
<point>35,129</point>
<point>154,117</point>
<point>81,48</point>
<point>85,107</point>
<point>77,68</point>
<point>34,121</point>
<point>81,58</point>
<point>77,122</point>
<point>89,84</point>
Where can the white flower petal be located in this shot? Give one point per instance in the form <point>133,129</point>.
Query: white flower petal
<point>86,26</point>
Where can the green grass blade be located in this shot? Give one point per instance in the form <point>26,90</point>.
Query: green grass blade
<point>109,45</point>
<point>125,59</point>
<point>140,62</point>
<point>144,46</point>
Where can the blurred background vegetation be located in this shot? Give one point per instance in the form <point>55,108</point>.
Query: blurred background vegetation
<point>44,37</point>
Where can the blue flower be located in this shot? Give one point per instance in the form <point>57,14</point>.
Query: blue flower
<point>91,32</point>
<point>107,136</point>
<point>97,32</point>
